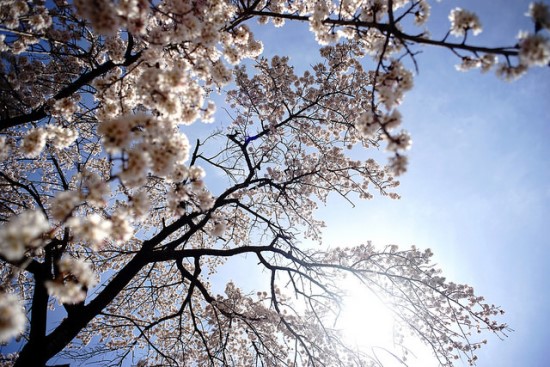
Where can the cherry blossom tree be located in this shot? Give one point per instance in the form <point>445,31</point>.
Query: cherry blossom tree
<point>107,214</point>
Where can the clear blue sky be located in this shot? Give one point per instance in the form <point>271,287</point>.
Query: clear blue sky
<point>477,191</point>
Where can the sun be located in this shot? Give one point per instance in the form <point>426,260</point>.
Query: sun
<point>369,325</point>
<point>364,320</point>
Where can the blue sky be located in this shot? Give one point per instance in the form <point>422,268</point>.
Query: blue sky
<point>477,191</point>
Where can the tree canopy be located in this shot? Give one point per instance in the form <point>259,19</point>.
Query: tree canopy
<point>117,216</point>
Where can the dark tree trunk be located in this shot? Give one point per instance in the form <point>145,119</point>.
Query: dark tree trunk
<point>37,352</point>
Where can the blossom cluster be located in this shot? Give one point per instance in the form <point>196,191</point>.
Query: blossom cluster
<point>393,84</point>
<point>463,21</point>
<point>533,48</point>
<point>540,13</point>
<point>74,278</point>
<point>152,144</point>
<point>30,17</point>
<point>22,233</point>
<point>12,316</point>
<point>35,141</point>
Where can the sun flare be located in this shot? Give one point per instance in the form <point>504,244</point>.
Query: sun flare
<point>365,321</point>
<point>369,325</point>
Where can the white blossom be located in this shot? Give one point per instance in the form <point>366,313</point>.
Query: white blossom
<point>208,114</point>
<point>64,203</point>
<point>468,63</point>
<point>219,228</point>
<point>534,50</point>
<point>34,142</point>
<point>398,164</point>
<point>392,120</point>
<point>137,164</point>
<point>206,200</point>
<point>12,317</point>
<point>40,21</point>
<point>121,229</point>
<point>488,61</point>
<point>65,107</point>
<point>4,148</point>
<point>540,14</point>
<point>140,204</point>
<point>22,232</point>
<point>463,21</point>
<point>402,141</point>
<point>116,48</point>
<point>96,188</point>
<point>74,279</point>
<point>196,173</point>
<point>367,124</point>
<point>423,13</point>
<point>102,14</point>
<point>180,173</point>
<point>61,137</point>
<point>3,46</point>
<point>510,73</point>
<point>93,229</point>
<point>117,133</point>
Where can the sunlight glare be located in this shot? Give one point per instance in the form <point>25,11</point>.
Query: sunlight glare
<point>365,321</point>
<point>368,325</point>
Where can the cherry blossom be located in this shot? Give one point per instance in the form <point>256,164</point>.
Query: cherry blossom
<point>463,21</point>
<point>119,208</point>
<point>92,229</point>
<point>12,316</point>
<point>74,279</point>
<point>21,233</point>
<point>540,14</point>
<point>534,50</point>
